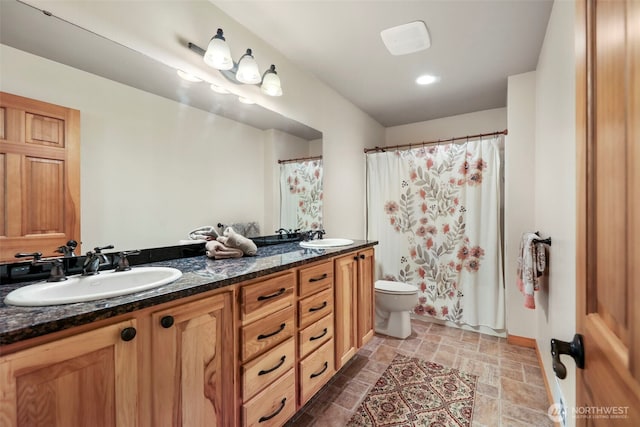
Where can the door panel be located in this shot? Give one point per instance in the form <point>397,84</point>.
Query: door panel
<point>608,157</point>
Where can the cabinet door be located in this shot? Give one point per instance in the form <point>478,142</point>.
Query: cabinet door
<point>366,301</point>
<point>192,365</point>
<point>89,379</point>
<point>345,284</point>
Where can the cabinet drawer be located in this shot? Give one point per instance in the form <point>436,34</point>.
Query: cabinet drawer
<point>273,406</point>
<point>316,278</point>
<point>263,334</point>
<point>315,335</point>
<point>262,371</point>
<point>315,370</point>
<point>315,307</point>
<point>265,297</point>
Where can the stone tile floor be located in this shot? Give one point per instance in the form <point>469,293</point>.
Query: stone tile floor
<point>510,390</point>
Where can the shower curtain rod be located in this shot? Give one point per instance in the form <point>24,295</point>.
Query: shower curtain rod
<point>301,159</point>
<point>439,141</point>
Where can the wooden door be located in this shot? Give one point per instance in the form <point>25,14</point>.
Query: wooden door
<point>608,238</point>
<point>39,176</point>
<point>345,302</point>
<point>365,297</point>
<point>89,379</point>
<point>192,364</point>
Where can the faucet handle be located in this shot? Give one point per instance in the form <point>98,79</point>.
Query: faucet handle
<point>57,269</point>
<point>123,262</point>
<point>99,250</point>
<point>35,255</point>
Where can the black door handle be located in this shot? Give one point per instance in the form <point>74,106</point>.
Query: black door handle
<point>575,349</point>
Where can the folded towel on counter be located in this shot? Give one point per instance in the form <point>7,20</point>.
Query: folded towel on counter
<point>238,241</point>
<point>532,262</point>
<point>217,250</point>
<point>247,229</point>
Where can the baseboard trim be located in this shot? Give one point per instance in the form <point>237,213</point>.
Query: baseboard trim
<point>521,341</point>
<point>544,378</point>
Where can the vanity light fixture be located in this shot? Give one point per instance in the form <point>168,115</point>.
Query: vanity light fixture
<point>245,71</point>
<point>218,54</point>
<point>188,76</point>
<point>248,72</point>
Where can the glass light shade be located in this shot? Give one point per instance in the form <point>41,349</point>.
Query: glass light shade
<point>271,82</point>
<point>218,54</point>
<point>248,71</point>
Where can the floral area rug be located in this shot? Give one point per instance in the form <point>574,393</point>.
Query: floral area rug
<point>413,392</point>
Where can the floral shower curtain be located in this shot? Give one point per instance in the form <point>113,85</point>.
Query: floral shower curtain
<point>301,195</point>
<point>435,211</point>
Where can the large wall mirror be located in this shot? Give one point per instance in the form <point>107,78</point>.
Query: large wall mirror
<point>159,156</point>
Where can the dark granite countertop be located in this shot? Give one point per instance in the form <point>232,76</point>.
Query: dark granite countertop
<point>200,274</point>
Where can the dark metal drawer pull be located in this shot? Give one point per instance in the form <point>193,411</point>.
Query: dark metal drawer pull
<point>277,294</point>
<point>319,336</point>
<point>317,374</point>
<point>265,372</point>
<point>323,305</point>
<point>263,336</point>
<point>317,279</point>
<point>268,417</point>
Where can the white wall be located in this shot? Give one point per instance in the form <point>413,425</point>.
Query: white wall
<point>555,196</point>
<point>465,124</point>
<point>152,169</point>
<point>519,212</point>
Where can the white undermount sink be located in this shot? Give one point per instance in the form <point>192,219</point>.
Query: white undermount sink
<point>325,243</point>
<point>89,288</point>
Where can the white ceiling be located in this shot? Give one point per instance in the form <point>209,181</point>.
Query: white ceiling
<point>475,46</point>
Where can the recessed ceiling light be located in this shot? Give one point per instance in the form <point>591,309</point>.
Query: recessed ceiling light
<point>218,89</point>
<point>426,79</point>
<point>188,77</point>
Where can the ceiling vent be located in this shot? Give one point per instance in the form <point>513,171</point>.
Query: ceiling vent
<point>406,38</point>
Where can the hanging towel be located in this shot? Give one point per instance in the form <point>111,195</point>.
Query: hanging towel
<point>532,262</point>
<point>217,250</point>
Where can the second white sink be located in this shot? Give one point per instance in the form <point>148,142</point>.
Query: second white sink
<point>89,288</point>
<point>326,243</point>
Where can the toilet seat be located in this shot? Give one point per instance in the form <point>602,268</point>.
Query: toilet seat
<point>394,288</point>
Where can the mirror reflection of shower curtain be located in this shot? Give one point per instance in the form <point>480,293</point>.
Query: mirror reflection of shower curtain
<point>301,195</point>
<point>435,211</point>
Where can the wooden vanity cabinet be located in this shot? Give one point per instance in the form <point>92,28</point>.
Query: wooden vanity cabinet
<point>354,303</point>
<point>266,350</point>
<point>88,379</point>
<point>315,329</point>
<point>192,370</point>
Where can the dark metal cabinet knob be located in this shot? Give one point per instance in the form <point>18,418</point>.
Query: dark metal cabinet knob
<point>362,256</point>
<point>128,334</point>
<point>167,321</point>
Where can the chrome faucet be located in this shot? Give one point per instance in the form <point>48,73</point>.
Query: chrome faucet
<point>57,267</point>
<point>95,260</point>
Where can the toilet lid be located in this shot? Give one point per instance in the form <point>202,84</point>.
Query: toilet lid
<point>398,288</point>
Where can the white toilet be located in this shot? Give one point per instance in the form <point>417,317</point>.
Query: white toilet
<point>394,300</point>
